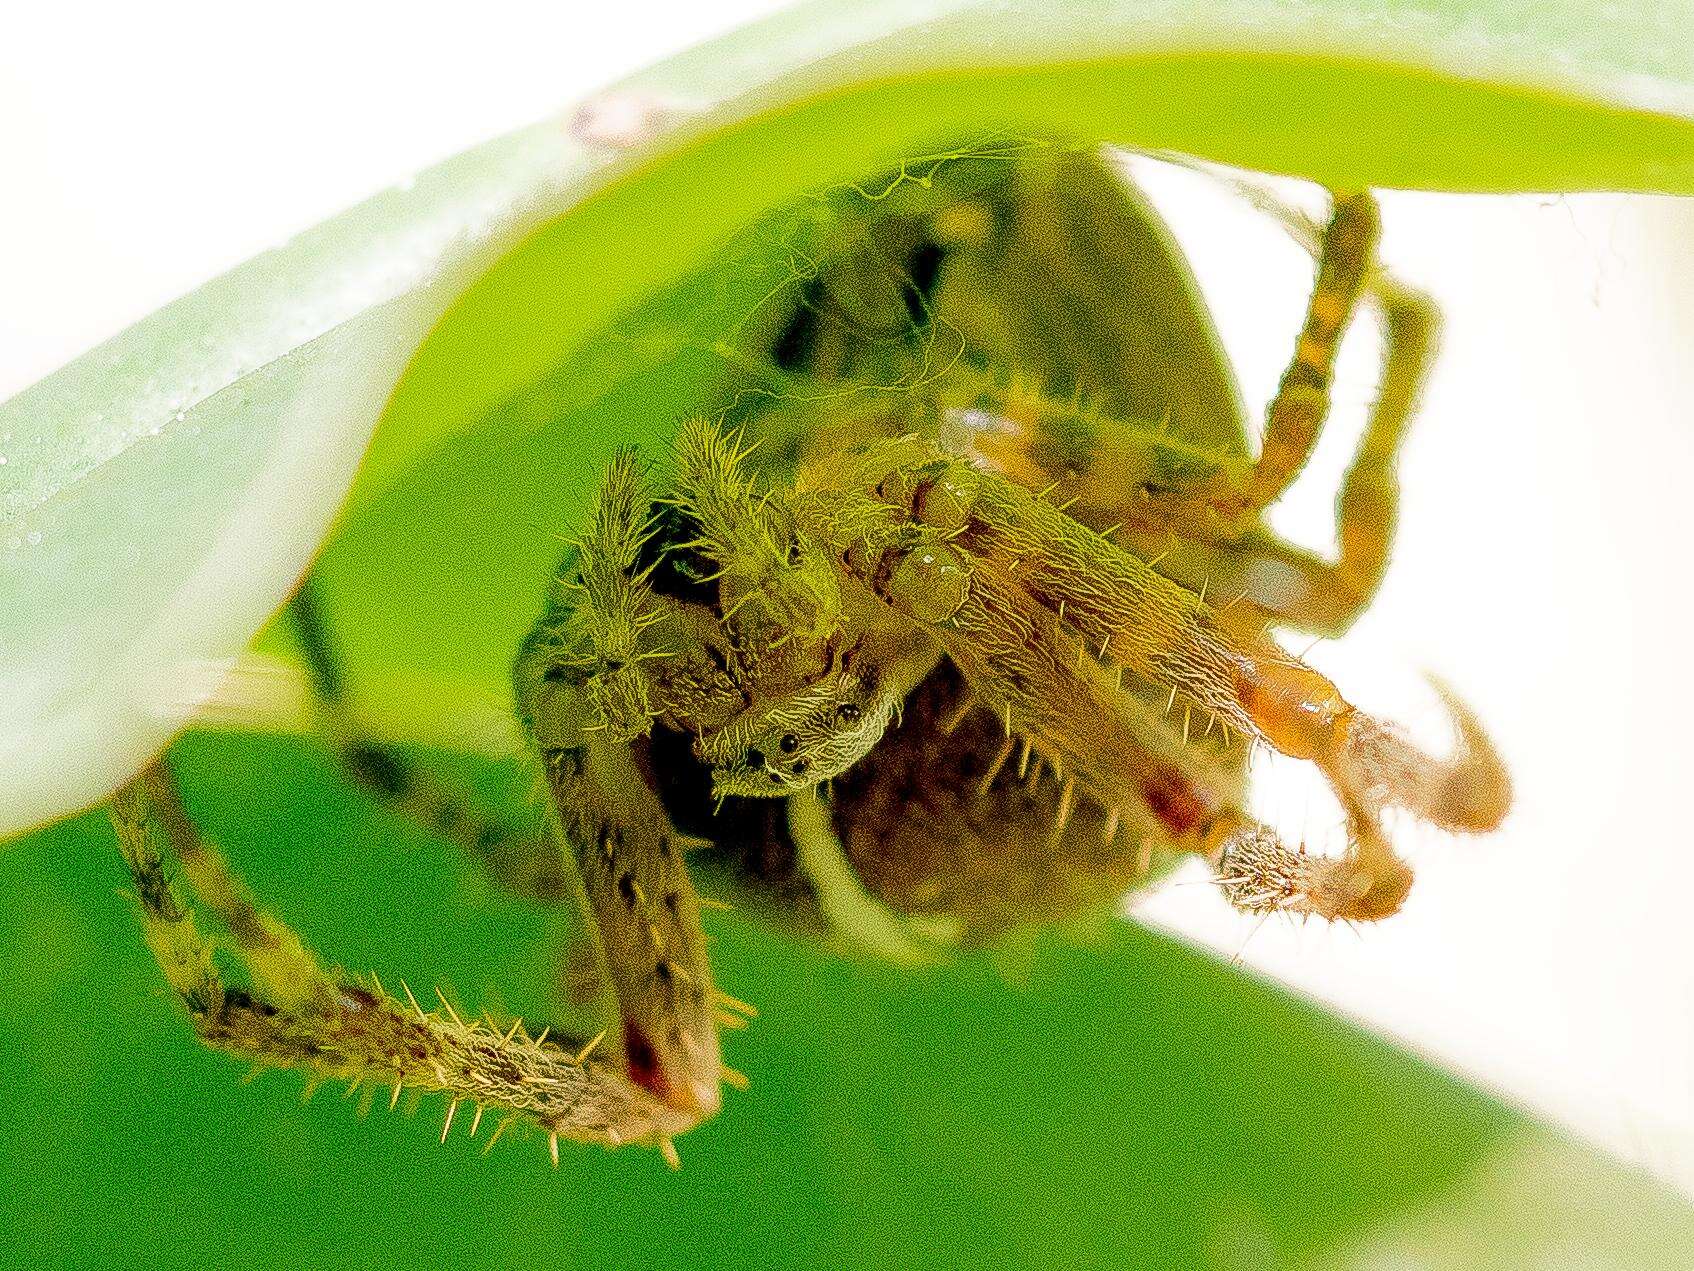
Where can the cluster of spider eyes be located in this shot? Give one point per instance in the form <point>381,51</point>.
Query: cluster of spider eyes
<point>847,715</point>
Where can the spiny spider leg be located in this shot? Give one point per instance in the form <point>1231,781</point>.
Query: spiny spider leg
<point>1152,483</point>
<point>584,694</point>
<point>1026,665</point>
<point>926,532</point>
<point>298,1014</point>
<point>765,573</point>
<point>1143,476</point>
<point>647,916</point>
<point>1290,582</point>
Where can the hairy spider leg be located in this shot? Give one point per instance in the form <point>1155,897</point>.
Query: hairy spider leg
<point>774,586</point>
<point>299,1014</point>
<point>1199,488</point>
<point>584,695</point>
<point>647,917</point>
<point>952,536</point>
<point>1029,669</point>
<point>1195,506</point>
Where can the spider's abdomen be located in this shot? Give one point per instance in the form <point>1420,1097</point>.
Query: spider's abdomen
<point>942,819</point>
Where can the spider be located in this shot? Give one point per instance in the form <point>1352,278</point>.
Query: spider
<point>964,629</point>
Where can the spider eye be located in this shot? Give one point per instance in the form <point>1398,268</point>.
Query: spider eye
<point>847,713</point>
<point>755,758</point>
<point>789,743</point>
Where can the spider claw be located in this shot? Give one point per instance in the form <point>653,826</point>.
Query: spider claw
<point>1475,790</point>
<point>1469,791</point>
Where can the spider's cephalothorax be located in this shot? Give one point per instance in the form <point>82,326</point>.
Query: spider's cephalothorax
<point>917,664</point>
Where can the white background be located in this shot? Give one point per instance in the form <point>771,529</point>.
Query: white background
<point>1543,562</point>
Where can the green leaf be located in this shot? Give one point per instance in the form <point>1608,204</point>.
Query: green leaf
<point>1121,1103</point>
<point>162,493</point>
<point>446,368</point>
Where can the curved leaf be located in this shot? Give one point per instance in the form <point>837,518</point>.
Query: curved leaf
<point>499,326</point>
<point>163,492</point>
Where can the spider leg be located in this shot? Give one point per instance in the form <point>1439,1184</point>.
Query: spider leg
<point>1283,580</point>
<point>1195,505</point>
<point>588,703</point>
<point>300,1014</point>
<point>527,863</point>
<point>646,915</point>
<point>1297,413</point>
<point>1302,588</point>
<point>978,560</point>
<point>762,573</point>
<point>1139,473</point>
<point>1029,668</point>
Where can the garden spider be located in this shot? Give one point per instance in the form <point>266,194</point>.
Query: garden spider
<point>916,666</point>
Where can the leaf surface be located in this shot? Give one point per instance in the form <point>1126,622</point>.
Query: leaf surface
<point>437,368</point>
